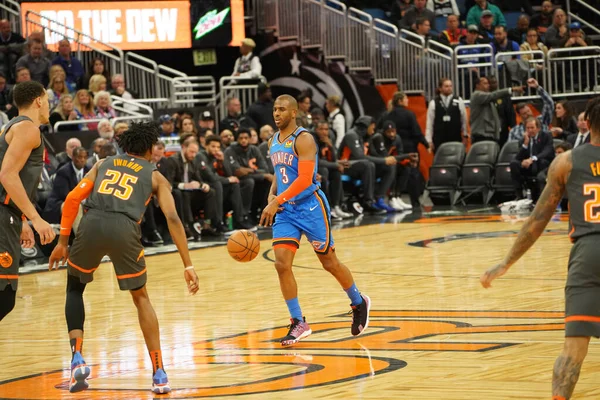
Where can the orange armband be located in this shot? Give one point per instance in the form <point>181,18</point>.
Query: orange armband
<point>71,206</point>
<point>306,170</point>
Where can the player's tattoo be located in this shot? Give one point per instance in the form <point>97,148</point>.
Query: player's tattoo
<point>558,174</point>
<point>565,376</point>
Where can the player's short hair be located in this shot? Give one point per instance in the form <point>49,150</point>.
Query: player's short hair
<point>213,138</point>
<point>25,93</point>
<point>398,96</point>
<point>240,131</point>
<point>291,101</point>
<point>139,138</point>
<point>592,115</point>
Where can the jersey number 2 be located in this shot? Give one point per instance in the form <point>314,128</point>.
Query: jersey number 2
<point>284,177</point>
<point>123,190</point>
<point>590,207</point>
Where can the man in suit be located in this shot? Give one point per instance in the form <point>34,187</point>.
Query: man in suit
<point>533,159</point>
<point>583,136</point>
<point>64,157</point>
<point>66,179</point>
<point>96,146</point>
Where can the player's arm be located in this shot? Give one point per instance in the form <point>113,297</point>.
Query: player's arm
<point>25,138</point>
<point>162,190</point>
<point>558,174</point>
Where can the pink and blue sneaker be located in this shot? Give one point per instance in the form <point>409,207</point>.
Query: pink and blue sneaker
<point>79,374</point>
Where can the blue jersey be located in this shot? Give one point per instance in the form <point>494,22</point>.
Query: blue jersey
<point>285,163</point>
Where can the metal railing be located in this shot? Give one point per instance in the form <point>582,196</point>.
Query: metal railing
<point>288,21</point>
<point>387,52</point>
<point>573,71</point>
<point>470,62</point>
<point>412,47</point>
<point>438,62</point>
<point>246,90</point>
<point>192,91</point>
<point>113,121</point>
<point>360,35</point>
<point>311,20</point>
<point>266,15</point>
<point>140,73</point>
<point>335,39</point>
<point>131,107</point>
<point>588,9</point>
<point>537,63</point>
<point>11,10</point>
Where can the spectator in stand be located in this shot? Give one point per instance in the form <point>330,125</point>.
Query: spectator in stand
<point>583,132</point>
<point>543,20</point>
<point>524,110</point>
<point>533,159</point>
<point>303,118</point>
<point>65,111</point>
<point>485,121</point>
<point>250,164</point>
<point>266,131</point>
<point>398,10</point>
<point>103,105</point>
<point>3,119</point>
<point>66,156</point>
<point>506,112</point>
<point>406,122</point>
<point>337,120</point>
<point>443,8</point>
<point>475,13</point>
<point>502,44</point>
<point>564,123</point>
<point>11,48</point>
<point>97,83</point>
<point>231,197</point>
<point>5,95</point>
<point>452,35</point>
<point>22,75</point>
<point>235,119</point>
<point>557,33</point>
<point>118,88</point>
<point>423,27</point>
<point>331,170</point>
<point>254,139</point>
<point>446,117</point>
<point>207,120</point>
<point>71,65</point>
<point>248,64</point>
<point>56,89</point>
<point>66,179</point>
<point>518,34</point>
<point>189,126</point>
<point>576,36</point>
<point>34,61</point>
<point>226,138</point>
<point>419,9</point>
<point>96,148</point>
<point>106,131</point>
<point>96,67</point>
<point>41,36</point>
<point>204,133</point>
<point>533,42</point>
<point>85,108</point>
<point>486,26</point>
<point>167,126</point>
<point>261,111</point>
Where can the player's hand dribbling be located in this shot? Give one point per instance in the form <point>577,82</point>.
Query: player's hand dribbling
<point>27,238</point>
<point>58,257</point>
<point>191,279</point>
<point>266,219</point>
<point>492,273</point>
<point>43,229</point>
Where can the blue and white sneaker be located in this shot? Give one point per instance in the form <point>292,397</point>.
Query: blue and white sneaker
<point>381,204</point>
<point>160,382</point>
<point>79,374</point>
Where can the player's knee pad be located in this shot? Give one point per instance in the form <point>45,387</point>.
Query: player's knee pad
<point>74,308</point>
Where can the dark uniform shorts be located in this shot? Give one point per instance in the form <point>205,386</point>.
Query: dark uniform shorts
<point>116,235</point>
<point>10,247</point>
<point>582,293</point>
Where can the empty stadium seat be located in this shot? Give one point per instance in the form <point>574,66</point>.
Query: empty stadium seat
<point>502,179</point>
<point>478,170</point>
<point>444,174</point>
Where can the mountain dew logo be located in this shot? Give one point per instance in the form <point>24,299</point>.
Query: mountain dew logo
<point>209,22</point>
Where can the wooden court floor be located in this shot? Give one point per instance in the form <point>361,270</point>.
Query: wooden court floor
<point>434,332</point>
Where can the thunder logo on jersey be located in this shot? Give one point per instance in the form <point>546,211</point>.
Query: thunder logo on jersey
<point>282,157</point>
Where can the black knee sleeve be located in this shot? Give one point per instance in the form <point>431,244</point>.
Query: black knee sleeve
<point>7,301</point>
<point>74,309</point>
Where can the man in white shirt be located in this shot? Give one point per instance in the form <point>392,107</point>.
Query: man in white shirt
<point>446,117</point>
<point>247,65</point>
<point>583,136</point>
<point>336,119</point>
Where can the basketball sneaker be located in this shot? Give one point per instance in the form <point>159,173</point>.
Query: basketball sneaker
<point>298,331</point>
<point>360,316</point>
<point>79,374</point>
<point>160,382</point>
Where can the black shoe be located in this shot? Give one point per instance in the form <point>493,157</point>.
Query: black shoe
<point>189,235</point>
<point>245,225</point>
<point>209,231</point>
<point>155,239</point>
<point>360,315</point>
<point>223,229</point>
<point>371,209</point>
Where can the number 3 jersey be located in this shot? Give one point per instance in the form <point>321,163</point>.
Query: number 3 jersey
<point>583,190</point>
<point>285,163</point>
<point>123,185</point>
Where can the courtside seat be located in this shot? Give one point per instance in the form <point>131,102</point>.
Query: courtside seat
<point>478,170</point>
<point>444,174</point>
<point>502,178</point>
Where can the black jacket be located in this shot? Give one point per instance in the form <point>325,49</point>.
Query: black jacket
<point>572,138</point>
<point>261,113</point>
<point>384,147</point>
<point>407,128</point>
<point>175,169</point>
<point>65,180</point>
<point>543,148</point>
<point>355,144</point>
<point>249,158</point>
<point>234,123</point>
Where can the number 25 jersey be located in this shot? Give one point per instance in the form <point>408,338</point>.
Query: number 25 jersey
<point>123,185</point>
<point>583,190</point>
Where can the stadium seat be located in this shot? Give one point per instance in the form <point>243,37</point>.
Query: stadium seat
<point>444,174</point>
<point>502,180</point>
<point>477,172</point>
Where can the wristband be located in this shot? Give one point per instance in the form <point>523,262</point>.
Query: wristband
<point>190,267</point>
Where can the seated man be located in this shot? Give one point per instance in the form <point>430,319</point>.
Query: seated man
<point>184,176</point>
<point>150,234</point>
<point>95,150</point>
<point>231,197</point>
<point>249,164</point>
<point>533,159</point>
<point>390,145</point>
<point>65,157</point>
<point>331,170</point>
<point>66,179</point>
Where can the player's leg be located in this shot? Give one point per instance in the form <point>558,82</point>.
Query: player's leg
<point>10,253</point>
<point>286,240</point>
<point>7,300</point>
<point>316,226</point>
<point>567,367</point>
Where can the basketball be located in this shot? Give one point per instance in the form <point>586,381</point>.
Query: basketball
<point>243,245</point>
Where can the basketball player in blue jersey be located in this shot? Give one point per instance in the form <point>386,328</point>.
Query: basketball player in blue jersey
<point>301,208</point>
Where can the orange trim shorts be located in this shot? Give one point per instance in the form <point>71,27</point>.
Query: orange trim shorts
<point>582,292</point>
<point>10,247</point>
<point>113,234</point>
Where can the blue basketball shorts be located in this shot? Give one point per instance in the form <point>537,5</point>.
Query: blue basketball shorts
<point>309,216</point>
